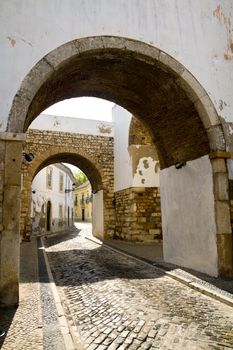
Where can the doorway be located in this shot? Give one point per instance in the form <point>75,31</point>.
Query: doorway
<point>83,214</point>
<point>48,216</point>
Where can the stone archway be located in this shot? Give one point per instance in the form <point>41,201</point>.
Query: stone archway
<point>150,84</point>
<point>116,69</point>
<point>93,156</point>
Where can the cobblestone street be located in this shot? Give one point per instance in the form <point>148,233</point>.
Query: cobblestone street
<point>115,302</point>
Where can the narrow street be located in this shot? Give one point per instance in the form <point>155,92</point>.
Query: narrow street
<point>115,302</point>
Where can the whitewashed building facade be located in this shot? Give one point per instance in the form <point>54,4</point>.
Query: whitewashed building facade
<point>52,206</point>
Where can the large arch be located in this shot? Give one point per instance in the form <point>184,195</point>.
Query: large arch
<point>127,72</point>
<point>150,84</point>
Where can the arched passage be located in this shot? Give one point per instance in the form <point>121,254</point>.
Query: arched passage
<point>99,177</point>
<point>148,83</point>
<point>172,103</point>
<point>87,165</point>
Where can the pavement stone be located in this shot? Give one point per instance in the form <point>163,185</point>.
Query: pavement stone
<point>116,302</point>
<point>23,325</point>
<point>34,324</point>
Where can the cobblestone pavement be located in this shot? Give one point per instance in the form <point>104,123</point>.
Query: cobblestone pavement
<point>115,302</point>
<point>23,325</point>
<point>34,324</point>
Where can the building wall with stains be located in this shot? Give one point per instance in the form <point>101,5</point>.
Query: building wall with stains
<point>196,33</point>
<point>184,227</point>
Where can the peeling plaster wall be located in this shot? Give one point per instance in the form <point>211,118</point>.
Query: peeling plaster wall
<point>74,125</point>
<point>146,174</point>
<point>184,29</point>
<point>134,165</point>
<point>188,216</point>
<point>145,166</point>
<point>98,215</point>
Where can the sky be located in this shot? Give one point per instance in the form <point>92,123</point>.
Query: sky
<point>83,107</point>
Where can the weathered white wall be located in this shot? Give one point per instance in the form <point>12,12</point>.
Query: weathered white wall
<point>185,29</point>
<point>98,215</point>
<point>122,163</point>
<point>75,125</point>
<point>188,217</point>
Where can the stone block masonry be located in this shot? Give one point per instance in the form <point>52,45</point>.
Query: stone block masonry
<point>231,201</point>
<point>92,154</point>
<point>138,214</point>
<point>139,133</point>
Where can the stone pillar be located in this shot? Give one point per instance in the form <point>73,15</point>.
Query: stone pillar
<point>98,215</point>
<point>25,217</point>
<point>222,212</point>
<point>9,237</point>
<point>108,212</point>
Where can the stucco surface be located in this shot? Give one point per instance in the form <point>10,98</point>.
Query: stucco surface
<point>98,218</point>
<point>188,218</point>
<point>184,29</point>
<point>122,165</point>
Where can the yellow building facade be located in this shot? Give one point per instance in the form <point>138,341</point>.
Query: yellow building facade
<point>83,202</point>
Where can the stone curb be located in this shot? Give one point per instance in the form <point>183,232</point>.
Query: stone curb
<point>194,284</point>
<point>187,279</point>
<point>67,336</point>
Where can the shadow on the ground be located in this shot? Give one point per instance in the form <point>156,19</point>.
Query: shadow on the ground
<point>89,265</point>
<point>63,236</point>
<point>224,284</point>
<point>6,317</point>
<point>83,266</point>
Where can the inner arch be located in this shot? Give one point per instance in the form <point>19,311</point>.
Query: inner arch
<point>79,161</point>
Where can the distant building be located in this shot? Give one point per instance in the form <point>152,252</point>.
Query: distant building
<point>52,206</point>
<point>83,202</point>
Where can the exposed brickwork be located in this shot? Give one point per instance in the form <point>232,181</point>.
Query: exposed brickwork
<point>138,133</point>
<point>92,154</point>
<point>138,214</point>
